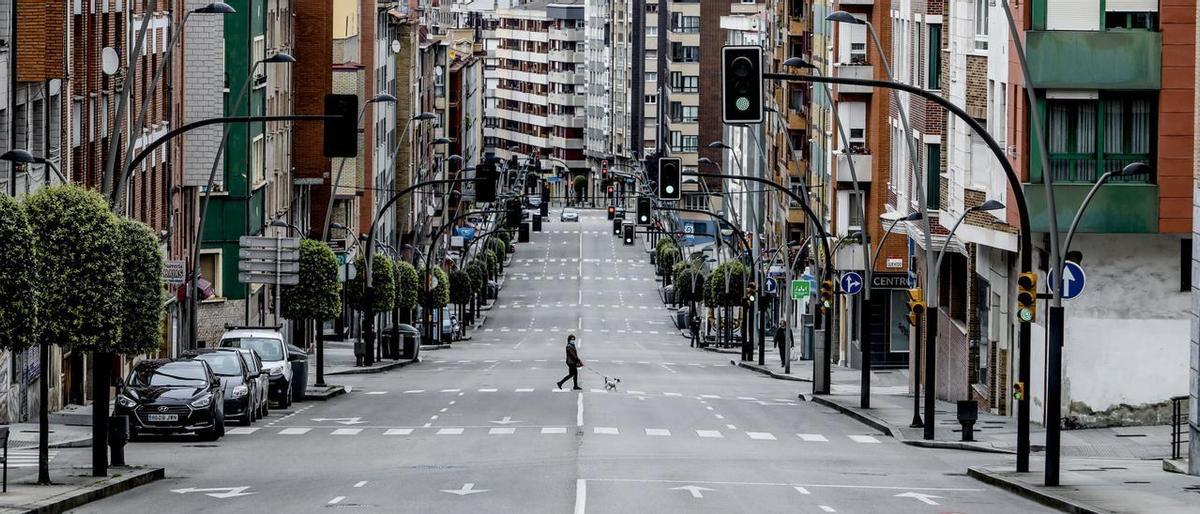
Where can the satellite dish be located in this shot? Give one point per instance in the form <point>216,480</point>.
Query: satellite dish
<point>395,46</point>
<point>110,61</point>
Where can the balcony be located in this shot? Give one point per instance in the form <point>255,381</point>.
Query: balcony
<point>570,121</point>
<point>523,35</point>
<point>856,2</point>
<point>572,56</point>
<point>568,77</point>
<point>568,99</point>
<point>1123,205</point>
<point>853,71</point>
<point>567,34</point>
<point>1067,59</point>
<point>849,257</point>
<point>863,167</point>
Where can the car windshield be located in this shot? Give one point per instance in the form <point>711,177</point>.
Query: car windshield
<point>268,349</point>
<point>170,374</point>
<point>249,360</point>
<point>224,364</point>
<point>569,211</point>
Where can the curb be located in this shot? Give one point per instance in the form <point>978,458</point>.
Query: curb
<point>373,369</point>
<point>432,347</point>
<point>327,393</point>
<point>81,442</point>
<point>765,371</point>
<point>719,350</point>
<point>897,434</point>
<point>1175,466</point>
<point>111,486</point>
<point>1042,497</point>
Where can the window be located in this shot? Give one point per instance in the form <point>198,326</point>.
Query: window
<point>651,99</point>
<point>1121,127</point>
<point>681,53</point>
<point>210,269</point>
<point>651,76</point>
<point>981,24</point>
<point>1131,21</point>
<point>933,166</point>
<point>854,205</point>
<point>685,24</point>
<point>898,337</point>
<point>982,347</point>
<point>858,53</point>
<point>934,61</point>
<point>257,161</point>
<point>76,122</point>
<point>652,31</point>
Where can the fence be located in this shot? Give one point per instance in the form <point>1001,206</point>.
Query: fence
<point>1179,426</point>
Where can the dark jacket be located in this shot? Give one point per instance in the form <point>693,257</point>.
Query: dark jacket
<point>781,334</point>
<point>573,356</point>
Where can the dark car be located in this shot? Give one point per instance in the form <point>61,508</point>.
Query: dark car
<point>169,396</point>
<point>259,384</point>
<point>236,384</point>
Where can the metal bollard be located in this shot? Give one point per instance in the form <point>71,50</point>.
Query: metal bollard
<point>968,413</point>
<point>118,437</point>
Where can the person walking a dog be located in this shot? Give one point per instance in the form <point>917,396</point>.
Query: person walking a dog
<point>573,363</point>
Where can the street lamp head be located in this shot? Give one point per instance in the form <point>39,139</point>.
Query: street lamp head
<point>382,98</point>
<point>990,205</point>
<point>216,8</point>
<point>339,226</point>
<point>706,160</point>
<point>279,57</point>
<point>719,144</point>
<point>844,17</point>
<point>425,116</point>
<point>915,216</point>
<point>797,62</point>
<point>19,155</point>
<point>279,223</point>
<point>442,141</point>
<point>1136,168</point>
<point>455,157</point>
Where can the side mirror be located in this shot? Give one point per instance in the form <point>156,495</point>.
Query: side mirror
<point>264,371</point>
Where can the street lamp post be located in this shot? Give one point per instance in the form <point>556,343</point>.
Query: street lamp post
<point>896,218</point>
<point>19,156</point>
<point>337,178</point>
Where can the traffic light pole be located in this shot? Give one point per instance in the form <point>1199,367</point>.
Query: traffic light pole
<point>1026,250</point>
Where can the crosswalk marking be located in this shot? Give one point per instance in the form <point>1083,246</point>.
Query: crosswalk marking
<point>661,432</point>
<point>761,436</point>
<point>27,458</point>
<point>501,430</point>
<point>294,431</point>
<point>554,430</point>
<point>713,434</point>
<point>414,391</point>
<point>524,390</point>
<point>487,390</point>
<point>398,431</point>
<point>826,508</point>
<point>813,438</point>
<point>376,392</point>
<point>864,439</point>
<point>450,431</point>
<point>242,430</point>
<point>606,430</point>
<point>346,431</point>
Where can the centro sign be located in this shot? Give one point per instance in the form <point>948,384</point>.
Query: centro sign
<point>889,281</point>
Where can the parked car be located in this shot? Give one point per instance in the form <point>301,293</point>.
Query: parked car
<point>162,396</point>
<point>569,214</point>
<point>240,403</point>
<point>269,344</point>
<point>259,379</point>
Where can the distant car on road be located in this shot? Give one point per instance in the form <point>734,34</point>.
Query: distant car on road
<point>569,214</point>
<point>260,382</point>
<point>269,344</point>
<point>162,396</point>
<point>236,384</point>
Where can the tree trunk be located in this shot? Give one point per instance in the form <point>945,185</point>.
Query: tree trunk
<point>101,364</point>
<point>44,417</point>
<point>320,326</point>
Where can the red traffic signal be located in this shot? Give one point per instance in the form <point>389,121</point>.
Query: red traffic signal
<point>612,212</point>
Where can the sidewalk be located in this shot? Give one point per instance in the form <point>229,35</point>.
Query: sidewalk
<point>23,436</point>
<point>71,488</point>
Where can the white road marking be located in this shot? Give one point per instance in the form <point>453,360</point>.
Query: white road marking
<point>606,430</point>
<point>360,484</point>
<point>672,394</point>
<point>336,500</point>
<point>802,490</point>
<point>826,508</point>
<point>579,411</point>
<point>864,439</point>
<point>580,496</point>
<point>450,431</point>
<point>346,431</point>
<point>524,390</point>
<point>451,390</point>
<point>636,392</point>
<point>242,430</point>
<point>715,434</point>
<point>412,391</point>
<point>444,409</point>
<point>398,431</point>
<point>661,432</point>
<point>554,430</point>
<point>761,436</point>
<point>813,438</point>
<point>713,396</point>
<point>487,390</point>
<point>377,392</point>
<point>501,430</point>
<point>294,431</point>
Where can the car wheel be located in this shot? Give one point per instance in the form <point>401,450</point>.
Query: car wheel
<point>220,430</point>
<point>289,396</point>
<point>266,410</point>
<point>246,419</point>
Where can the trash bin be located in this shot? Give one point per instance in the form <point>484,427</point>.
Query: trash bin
<point>387,338</point>
<point>299,361</point>
<point>412,342</point>
<point>681,318</point>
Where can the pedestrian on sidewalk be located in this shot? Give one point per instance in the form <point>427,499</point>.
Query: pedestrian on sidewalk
<point>782,335</point>
<point>573,363</point>
<point>694,328</point>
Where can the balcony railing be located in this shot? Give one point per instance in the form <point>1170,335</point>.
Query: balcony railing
<point>1086,169</point>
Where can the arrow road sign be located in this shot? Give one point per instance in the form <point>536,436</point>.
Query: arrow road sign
<point>1074,280</point>
<point>467,488</point>
<point>342,421</point>
<point>506,421</point>
<point>694,489</point>
<point>852,282</point>
<point>770,286</point>
<point>924,498</point>
<point>269,266</point>
<point>216,492</point>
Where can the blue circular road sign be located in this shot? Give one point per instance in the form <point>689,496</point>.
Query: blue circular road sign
<point>852,282</point>
<point>1074,280</point>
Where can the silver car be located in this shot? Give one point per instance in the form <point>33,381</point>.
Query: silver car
<point>569,214</point>
<point>258,379</point>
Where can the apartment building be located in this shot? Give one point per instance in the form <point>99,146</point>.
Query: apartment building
<point>538,80</point>
<point>610,58</point>
<point>645,86</point>
<point>679,74</point>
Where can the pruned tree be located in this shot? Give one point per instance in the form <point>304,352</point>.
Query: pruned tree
<point>408,288</point>
<point>382,296</point>
<point>461,291</point>
<point>143,296</point>
<point>318,295</point>
<point>19,303</point>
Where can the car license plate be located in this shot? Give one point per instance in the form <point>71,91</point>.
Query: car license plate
<point>162,417</point>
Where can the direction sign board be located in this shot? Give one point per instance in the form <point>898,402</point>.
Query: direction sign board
<point>263,277</point>
<point>268,242</point>
<point>1074,280</point>
<point>270,266</point>
<point>269,260</point>
<point>175,272</point>
<point>852,282</point>
<point>770,286</point>
<point>292,254</point>
<point>801,289</point>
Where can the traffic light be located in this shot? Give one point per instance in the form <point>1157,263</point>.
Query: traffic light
<point>512,216</point>
<point>1019,391</point>
<point>916,306</point>
<point>751,292</point>
<point>612,212</point>
<point>341,133</point>
<point>644,211</point>
<point>1027,297</point>
<point>628,234</point>
<point>485,185</point>
<point>617,223</point>
<point>742,84</point>
<point>604,168</point>
<point>610,191</point>
<point>826,294</point>
<point>669,178</point>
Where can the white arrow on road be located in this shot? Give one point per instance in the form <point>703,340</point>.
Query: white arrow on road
<point>467,488</point>
<point>506,421</point>
<point>925,498</point>
<point>343,421</point>
<point>216,492</point>
<point>694,489</point>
